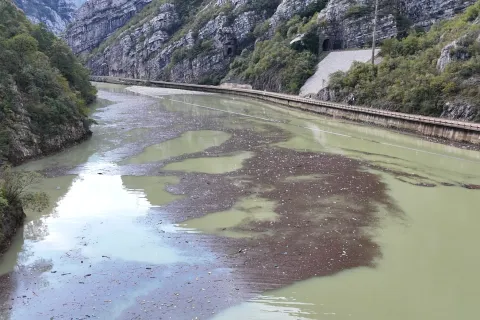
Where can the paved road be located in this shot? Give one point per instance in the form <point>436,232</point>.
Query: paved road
<point>333,62</point>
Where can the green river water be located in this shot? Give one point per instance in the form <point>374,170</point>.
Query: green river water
<point>102,192</point>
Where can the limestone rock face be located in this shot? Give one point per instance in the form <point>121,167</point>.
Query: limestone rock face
<point>457,50</point>
<point>349,23</point>
<point>125,38</point>
<point>97,19</point>
<point>460,110</point>
<point>55,14</point>
<point>154,49</point>
<point>446,56</point>
<point>288,8</point>
<point>26,145</point>
<point>424,13</point>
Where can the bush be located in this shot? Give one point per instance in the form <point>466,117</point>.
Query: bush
<point>313,8</point>
<point>407,80</point>
<point>268,6</point>
<point>358,10</point>
<point>14,186</point>
<point>472,12</point>
<point>274,66</point>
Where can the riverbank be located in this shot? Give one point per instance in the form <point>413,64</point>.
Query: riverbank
<point>456,131</point>
<point>28,148</point>
<point>25,145</point>
<point>11,218</point>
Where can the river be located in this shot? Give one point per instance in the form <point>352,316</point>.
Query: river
<point>186,205</point>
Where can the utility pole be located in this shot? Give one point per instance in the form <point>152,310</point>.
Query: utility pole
<point>374,31</point>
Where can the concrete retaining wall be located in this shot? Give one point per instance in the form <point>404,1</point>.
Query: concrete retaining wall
<point>460,131</point>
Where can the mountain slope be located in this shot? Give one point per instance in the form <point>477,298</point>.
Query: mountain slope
<point>44,90</point>
<point>55,14</point>
<point>271,44</point>
<point>177,41</point>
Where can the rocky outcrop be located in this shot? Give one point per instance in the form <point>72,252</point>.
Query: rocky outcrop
<point>154,49</point>
<point>161,43</point>
<point>460,110</point>
<point>349,23</point>
<point>97,19</point>
<point>287,9</point>
<point>446,56</point>
<point>424,13</point>
<point>11,218</point>
<point>458,50</point>
<point>55,14</point>
<point>26,145</point>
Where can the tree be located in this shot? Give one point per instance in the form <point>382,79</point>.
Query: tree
<point>23,44</point>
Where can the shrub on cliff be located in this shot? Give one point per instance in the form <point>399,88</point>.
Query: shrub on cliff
<point>14,189</point>
<point>14,197</point>
<point>274,64</point>
<point>409,78</point>
<point>42,85</point>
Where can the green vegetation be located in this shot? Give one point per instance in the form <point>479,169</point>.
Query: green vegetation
<point>274,64</point>
<point>42,85</point>
<point>408,80</point>
<point>358,10</point>
<point>14,185</point>
<point>15,196</point>
<point>267,6</point>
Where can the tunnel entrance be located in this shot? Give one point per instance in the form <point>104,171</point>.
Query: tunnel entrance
<point>229,52</point>
<point>327,45</point>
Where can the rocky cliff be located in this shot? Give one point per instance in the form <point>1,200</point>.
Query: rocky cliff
<point>44,90</point>
<point>98,19</point>
<point>164,40</point>
<point>348,23</point>
<point>198,41</point>
<point>55,14</point>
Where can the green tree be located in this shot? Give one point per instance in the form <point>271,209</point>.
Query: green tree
<point>22,44</point>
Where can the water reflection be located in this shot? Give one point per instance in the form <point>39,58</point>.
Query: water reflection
<point>102,200</point>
